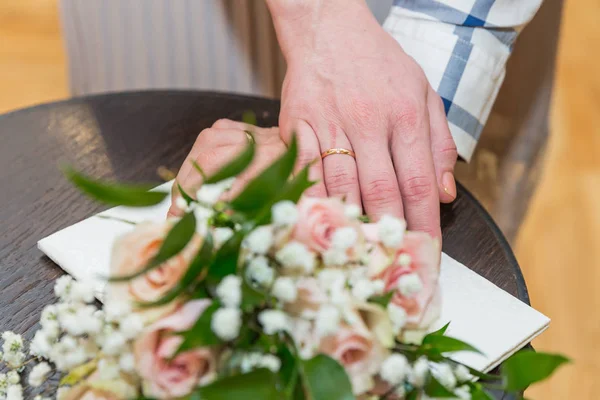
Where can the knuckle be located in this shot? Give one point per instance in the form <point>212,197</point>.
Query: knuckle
<point>447,149</point>
<point>222,123</point>
<point>362,110</point>
<point>340,181</point>
<point>206,135</point>
<point>408,115</point>
<point>416,189</point>
<point>306,157</point>
<point>380,191</point>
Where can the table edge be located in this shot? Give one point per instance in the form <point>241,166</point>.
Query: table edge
<point>522,292</point>
<point>233,95</point>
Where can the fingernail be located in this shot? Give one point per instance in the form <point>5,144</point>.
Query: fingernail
<point>449,184</point>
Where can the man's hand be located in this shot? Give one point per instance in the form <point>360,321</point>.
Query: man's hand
<point>349,84</point>
<point>218,145</point>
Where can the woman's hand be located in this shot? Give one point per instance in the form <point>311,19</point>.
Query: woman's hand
<point>350,85</point>
<point>218,145</point>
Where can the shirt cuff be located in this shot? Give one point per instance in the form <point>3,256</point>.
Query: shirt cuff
<point>464,64</point>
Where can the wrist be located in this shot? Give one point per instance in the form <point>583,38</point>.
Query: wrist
<point>300,23</point>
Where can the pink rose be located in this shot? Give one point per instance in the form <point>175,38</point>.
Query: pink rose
<point>357,349</point>
<point>174,378</point>
<point>424,255</point>
<point>133,251</point>
<point>318,219</point>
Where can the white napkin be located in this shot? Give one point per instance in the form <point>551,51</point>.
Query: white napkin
<point>479,312</point>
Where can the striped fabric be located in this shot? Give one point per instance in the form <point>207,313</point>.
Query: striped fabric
<point>462,45</point>
<point>226,45</point>
<point>230,45</point>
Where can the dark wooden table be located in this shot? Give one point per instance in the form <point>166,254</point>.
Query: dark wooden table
<point>128,136</point>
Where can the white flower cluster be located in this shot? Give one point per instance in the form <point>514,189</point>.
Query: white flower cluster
<point>209,194</point>
<point>72,333</point>
<point>203,210</point>
<point>396,370</point>
<point>295,256</point>
<point>10,386</point>
<point>227,321</point>
<point>274,321</point>
<point>260,272</point>
<point>284,213</point>
<point>284,289</point>
<point>12,349</point>
<point>253,361</point>
<point>260,240</point>
<point>287,286</point>
<point>391,231</point>
<point>342,239</point>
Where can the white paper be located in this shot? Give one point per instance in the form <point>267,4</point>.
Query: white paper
<point>479,312</point>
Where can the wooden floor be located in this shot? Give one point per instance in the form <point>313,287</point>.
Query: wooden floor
<point>32,58</point>
<point>558,245</point>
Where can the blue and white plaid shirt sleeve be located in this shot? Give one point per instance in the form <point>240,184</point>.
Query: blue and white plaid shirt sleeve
<point>463,46</point>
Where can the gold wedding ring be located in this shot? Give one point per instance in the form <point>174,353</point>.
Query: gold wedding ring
<point>338,151</point>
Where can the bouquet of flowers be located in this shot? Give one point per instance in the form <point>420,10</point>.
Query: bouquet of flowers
<point>270,295</point>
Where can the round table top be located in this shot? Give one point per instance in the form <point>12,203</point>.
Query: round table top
<point>128,136</point>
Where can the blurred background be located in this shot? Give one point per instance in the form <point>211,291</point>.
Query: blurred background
<point>536,170</point>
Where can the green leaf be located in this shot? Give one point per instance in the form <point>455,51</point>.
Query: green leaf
<point>445,344</point>
<point>264,188</point>
<point>201,334</point>
<point>382,300</point>
<point>188,199</point>
<point>527,367</point>
<point>478,393</point>
<point>258,384</point>
<point>193,273</point>
<point>294,188</point>
<point>481,375</point>
<point>412,395</point>
<point>200,292</point>
<point>248,117</point>
<point>198,168</point>
<point>236,166</point>
<point>434,388</point>
<point>298,393</point>
<point>292,191</point>
<point>251,298</point>
<point>288,373</point>
<point>175,241</point>
<point>225,261</point>
<point>79,373</point>
<point>325,379</point>
<point>116,194</point>
<point>440,331</point>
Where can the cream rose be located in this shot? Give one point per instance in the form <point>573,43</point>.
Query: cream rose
<point>309,296</point>
<point>357,349</point>
<point>133,251</point>
<point>318,219</point>
<point>165,378</point>
<point>93,388</point>
<point>84,392</point>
